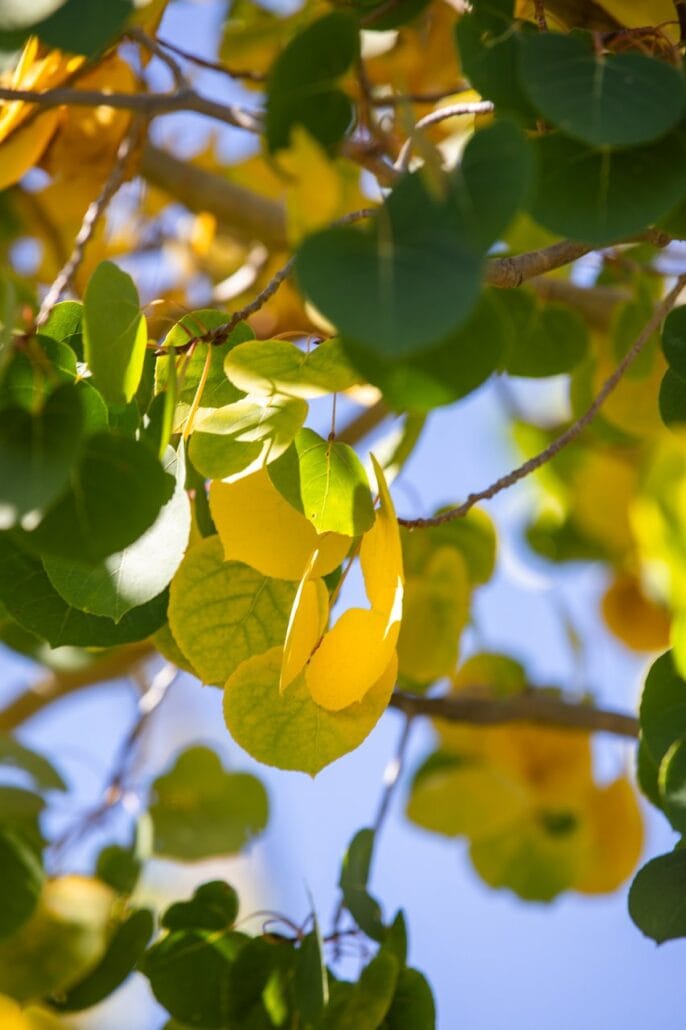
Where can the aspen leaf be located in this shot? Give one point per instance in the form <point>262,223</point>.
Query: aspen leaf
<point>381,552</point>
<point>278,366</point>
<point>352,656</point>
<point>325,481</point>
<point>257,526</point>
<point>290,730</point>
<point>637,620</point>
<point>232,441</point>
<point>615,838</point>
<point>115,333</point>
<point>312,185</point>
<point>307,622</point>
<point>463,797</point>
<point>222,612</point>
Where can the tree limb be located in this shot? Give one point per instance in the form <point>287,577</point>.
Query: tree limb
<point>533,706</point>
<point>240,212</point>
<point>120,662</point>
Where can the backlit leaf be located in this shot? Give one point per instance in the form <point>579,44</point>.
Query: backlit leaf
<point>258,526</point>
<point>278,366</point>
<point>223,612</point>
<point>115,333</point>
<point>290,730</point>
<point>324,480</point>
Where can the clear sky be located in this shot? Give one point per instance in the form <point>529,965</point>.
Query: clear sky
<point>492,960</point>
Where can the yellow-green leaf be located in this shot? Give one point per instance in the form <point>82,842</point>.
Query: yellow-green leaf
<point>221,613</point>
<point>289,730</point>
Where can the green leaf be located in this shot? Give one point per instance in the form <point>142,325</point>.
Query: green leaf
<point>406,284</point>
<point>33,602</point>
<point>85,26</point>
<point>36,371</point>
<point>189,974</point>
<point>139,573</point>
<point>488,43</point>
<point>674,341</point>
<point>462,363</point>
<point>474,537</point>
<point>221,612</point>
<point>124,950</point>
<point>536,859</point>
<point>663,707</point>
<point>21,881</point>
<point>15,756</point>
<point>65,325</point>
<point>217,391</point>
<point>289,730</point>
<point>647,774</point>
<point>413,1005</point>
<point>657,898</point>
<point>599,98</point>
<point>245,435</point>
<point>672,785</point>
<point>364,909</point>
<point>37,454</point>
<point>379,16</point>
<point>600,195</point>
<point>542,339</point>
<point>325,481</point>
<point>214,906</point>
<point>302,83</point>
<point>119,868</point>
<point>311,977</point>
<point>115,332</point>
<point>20,812</point>
<point>199,809</point>
<point>672,399</point>
<point>278,366</point>
<point>366,1006</point>
<point>116,492</point>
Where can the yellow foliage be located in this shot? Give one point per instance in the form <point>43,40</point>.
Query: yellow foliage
<point>615,838</point>
<point>259,527</point>
<point>602,490</point>
<point>22,142</point>
<point>636,619</point>
<point>308,619</point>
<point>318,190</point>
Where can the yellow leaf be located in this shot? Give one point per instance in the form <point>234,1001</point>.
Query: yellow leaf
<point>381,555</point>
<point>603,488</point>
<point>615,838</point>
<point>313,191</point>
<point>24,148</point>
<point>308,619</point>
<point>637,620</point>
<point>289,730</point>
<point>352,657</point>
<point>258,526</point>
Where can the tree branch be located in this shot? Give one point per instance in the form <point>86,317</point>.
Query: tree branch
<point>150,105</point>
<point>533,706</point>
<point>240,212</point>
<point>508,272</point>
<point>120,662</point>
<point>571,433</point>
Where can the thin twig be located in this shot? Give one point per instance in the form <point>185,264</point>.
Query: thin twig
<point>570,434</point>
<point>117,784</point>
<point>153,45</point>
<point>450,111</point>
<point>147,104</point>
<point>533,706</point>
<point>391,776</point>
<point>94,213</point>
<point>214,66</point>
<point>217,336</point>
<point>434,97</point>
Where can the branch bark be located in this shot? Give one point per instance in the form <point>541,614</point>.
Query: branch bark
<point>532,706</point>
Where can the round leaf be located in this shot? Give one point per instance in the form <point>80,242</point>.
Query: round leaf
<point>657,899</point>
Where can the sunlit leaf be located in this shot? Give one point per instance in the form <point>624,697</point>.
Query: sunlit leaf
<point>278,366</point>
<point>258,526</point>
<point>290,730</point>
<point>115,333</point>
